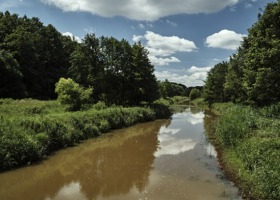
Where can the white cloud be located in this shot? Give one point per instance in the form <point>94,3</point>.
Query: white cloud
<point>194,76</point>
<point>195,69</point>
<point>78,39</point>
<point>149,10</point>
<point>170,44</point>
<point>137,38</point>
<point>159,61</point>
<point>224,39</point>
<point>161,48</point>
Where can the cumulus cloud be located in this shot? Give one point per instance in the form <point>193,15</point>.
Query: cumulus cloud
<point>78,39</point>
<point>161,48</point>
<point>195,69</point>
<point>194,76</point>
<point>170,44</point>
<point>159,61</point>
<point>225,39</point>
<point>137,10</point>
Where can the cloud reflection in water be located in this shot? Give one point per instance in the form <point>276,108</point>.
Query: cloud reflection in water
<point>173,141</point>
<point>170,145</point>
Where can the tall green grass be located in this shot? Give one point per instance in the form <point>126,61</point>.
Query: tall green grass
<point>31,129</point>
<point>250,141</point>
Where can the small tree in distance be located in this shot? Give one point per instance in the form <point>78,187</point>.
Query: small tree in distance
<point>72,94</point>
<point>194,94</point>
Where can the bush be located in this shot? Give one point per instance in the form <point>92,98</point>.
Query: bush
<point>71,94</point>
<point>194,94</point>
<point>235,124</point>
<point>262,160</point>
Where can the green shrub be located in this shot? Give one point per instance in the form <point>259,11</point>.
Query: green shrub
<point>194,94</point>
<point>18,148</point>
<point>235,124</point>
<point>272,111</point>
<point>262,160</point>
<point>100,105</point>
<point>71,94</point>
<point>161,110</point>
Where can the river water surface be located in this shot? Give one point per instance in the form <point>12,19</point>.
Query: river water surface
<point>161,160</point>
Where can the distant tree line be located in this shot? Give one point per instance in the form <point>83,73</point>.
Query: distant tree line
<point>252,75</point>
<point>33,58</point>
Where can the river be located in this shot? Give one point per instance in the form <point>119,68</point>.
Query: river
<point>160,160</point>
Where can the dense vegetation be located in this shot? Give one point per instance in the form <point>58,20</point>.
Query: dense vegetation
<point>100,84</point>
<point>33,58</point>
<point>252,75</point>
<point>247,131</point>
<point>31,129</point>
<point>250,142</point>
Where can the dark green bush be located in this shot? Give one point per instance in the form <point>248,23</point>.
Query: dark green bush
<point>17,148</point>
<point>161,110</point>
<point>194,94</point>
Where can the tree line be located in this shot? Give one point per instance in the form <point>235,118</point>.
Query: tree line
<point>33,58</point>
<point>252,75</point>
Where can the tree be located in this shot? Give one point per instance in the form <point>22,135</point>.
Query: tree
<point>170,89</point>
<point>194,94</point>
<point>72,94</point>
<point>40,51</point>
<point>117,63</point>
<point>233,87</point>
<point>87,67</point>
<point>144,87</point>
<point>11,85</point>
<point>262,60</point>
<point>213,90</point>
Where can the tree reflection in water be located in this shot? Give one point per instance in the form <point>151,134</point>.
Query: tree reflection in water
<point>106,166</point>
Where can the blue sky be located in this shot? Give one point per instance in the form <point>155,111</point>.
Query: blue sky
<point>185,38</point>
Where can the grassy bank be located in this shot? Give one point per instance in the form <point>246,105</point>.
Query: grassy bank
<point>248,140</point>
<point>30,129</point>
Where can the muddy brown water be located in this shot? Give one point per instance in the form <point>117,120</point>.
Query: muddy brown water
<point>160,160</point>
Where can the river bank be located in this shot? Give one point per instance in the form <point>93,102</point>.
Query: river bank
<point>30,129</point>
<point>248,142</point>
<point>161,160</point>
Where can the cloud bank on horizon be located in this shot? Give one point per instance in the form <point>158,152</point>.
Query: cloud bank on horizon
<point>139,10</point>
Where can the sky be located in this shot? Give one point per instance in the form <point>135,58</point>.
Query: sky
<point>185,38</point>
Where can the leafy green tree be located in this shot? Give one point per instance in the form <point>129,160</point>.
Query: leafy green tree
<point>117,63</point>
<point>213,90</point>
<point>87,67</point>
<point>170,89</point>
<point>40,51</point>
<point>194,94</point>
<point>11,85</point>
<point>72,94</point>
<point>234,78</point>
<point>262,61</point>
<point>144,84</point>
